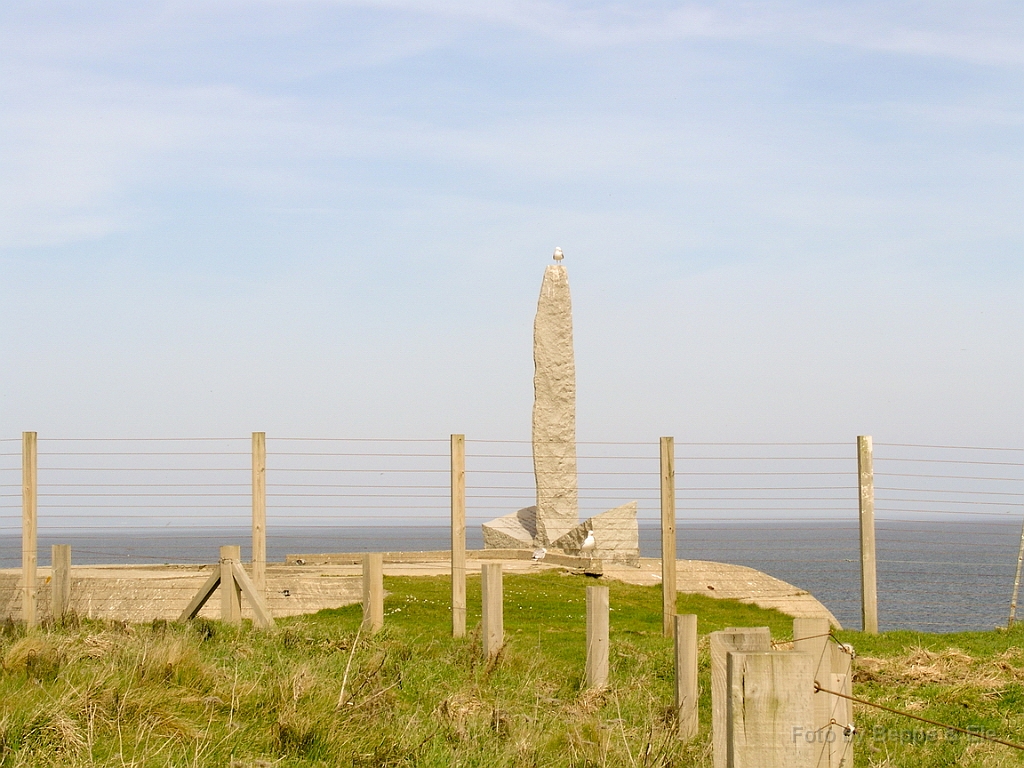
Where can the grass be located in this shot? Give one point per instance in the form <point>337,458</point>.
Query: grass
<point>207,694</point>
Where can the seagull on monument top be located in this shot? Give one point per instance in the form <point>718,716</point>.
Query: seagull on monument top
<point>589,544</point>
<point>558,254</point>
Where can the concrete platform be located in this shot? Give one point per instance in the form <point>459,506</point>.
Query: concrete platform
<point>308,583</point>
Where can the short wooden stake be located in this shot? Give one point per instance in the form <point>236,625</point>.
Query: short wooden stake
<point>458,488</point>
<point>811,636</point>
<point>770,713</point>
<point>60,581</point>
<point>259,511</point>
<point>493,609</point>
<point>597,637</point>
<point>373,591</point>
<point>230,593</point>
<point>668,535</point>
<point>722,643</point>
<point>868,574</point>
<point>686,675</point>
<point>29,509</point>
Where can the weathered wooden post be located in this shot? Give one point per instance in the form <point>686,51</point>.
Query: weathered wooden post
<point>60,581</point>
<point>493,610</point>
<point>597,637</point>
<point>868,575</point>
<point>233,581</point>
<point>811,636</point>
<point>259,511</point>
<point>458,488</point>
<point>770,713</point>
<point>373,591</point>
<point>841,749</point>
<point>668,535</point>
<point>230,592</point>
<point>722,643</point>
<point>686,675</point>
<point>29,522</point>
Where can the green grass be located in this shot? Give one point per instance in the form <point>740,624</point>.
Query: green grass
<point>207,694</point>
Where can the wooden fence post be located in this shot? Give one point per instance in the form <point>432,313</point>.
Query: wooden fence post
<point>722,643</point>
<point>842,709</point>
<point>458,488</point>
<point>373,591</point>
<point>259,511</point>
<point>230,593</point>
<point>60,581</point>
<point>770,713</point>
<point>868,575</point>
<point>686,675</point>
<point>597,637</point>
<point>29,522</point>
<point>668,535</point>
<point>811,636</point>
<point>493,610</point>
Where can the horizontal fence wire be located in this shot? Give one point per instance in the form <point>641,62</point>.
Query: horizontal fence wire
<point>947,537</point>
<point>950,537</point>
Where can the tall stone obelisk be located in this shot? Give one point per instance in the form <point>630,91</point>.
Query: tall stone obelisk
<point>554,407</point>
<point>554,521</point>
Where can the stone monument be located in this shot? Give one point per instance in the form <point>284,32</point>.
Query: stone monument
<point>553,523</point>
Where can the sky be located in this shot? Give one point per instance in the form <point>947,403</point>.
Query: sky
<point>782,220</point>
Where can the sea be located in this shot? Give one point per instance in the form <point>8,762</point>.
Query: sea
<point>947,576</point>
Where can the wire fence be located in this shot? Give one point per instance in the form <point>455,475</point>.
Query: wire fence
<point>948,518</point>
<point>948,522</point>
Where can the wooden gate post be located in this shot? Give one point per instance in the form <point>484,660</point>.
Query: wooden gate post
<point>373,591</point>
<point>493,610</point>
<point>841,748</point>
<point>458,488</point>
<point>770,713</point>
<point>686,675</point>
<point>722,643</point>
<point>811,636</point>
<point>668,535</point>
<point>29,522</point>
<point>259,511</point>
<point>597,637</point>
<point>60,581</point>
<point>230,592</point>
<point>868,574</point>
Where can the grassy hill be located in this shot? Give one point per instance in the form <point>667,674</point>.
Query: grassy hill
<point>208,694</point>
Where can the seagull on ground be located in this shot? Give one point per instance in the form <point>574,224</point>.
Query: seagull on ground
<point>538,554</point>
<point>589,545</point>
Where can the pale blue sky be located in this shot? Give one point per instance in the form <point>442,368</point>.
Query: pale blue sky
<point>782,220</point>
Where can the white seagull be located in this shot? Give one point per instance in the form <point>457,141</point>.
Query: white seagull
<point>589,544</point>
<point>538,554</point>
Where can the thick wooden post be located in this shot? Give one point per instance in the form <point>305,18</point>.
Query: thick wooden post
<point>722,643</point>
<point>29,522</point>
<point>230,592</point>
<point>60,581</point>
<point>841,748</point>
<point>373,591</point>
<point>770,713</point>
<point>458,487</point>
<point>811,636</point>
<point>259,511</point>
<point>668,535</point>
<point>493,610</point>
<point>597,637</point>
<point>868,575</point>
<point>686,675</point>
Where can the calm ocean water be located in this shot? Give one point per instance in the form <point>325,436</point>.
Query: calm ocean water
<point>942,577</point>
